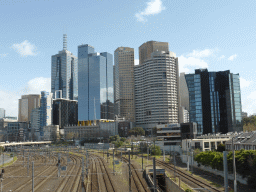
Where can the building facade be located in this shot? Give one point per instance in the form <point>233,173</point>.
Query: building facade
<point>26,104</point>
<point>46,110</point>
<point>64,75</point>
<point>35,123</point>
<point>124,83</point>
<point>215,101</point>
<point>2,113</point>
<point>65,112</point>
<point>17,131</point>
<point>157,90</point>
<point>95,83</point>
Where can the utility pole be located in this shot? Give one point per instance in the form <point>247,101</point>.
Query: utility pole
<point>234,165</point>
<point>28,166</point>
<point>225,164</point>
<point>87,163</point>
<point>148,152</point>
<point>82,170</point>
<point>58,164</point>
<point>130,174</point>
<point>192,161</point>
<point>3,159</point>
<point>174,164</point>
<point>142,159</point>
<point>154,173</point>
<point>113,161</point>
<point>32,176</point>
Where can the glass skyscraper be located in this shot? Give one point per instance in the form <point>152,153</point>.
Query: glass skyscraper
<point>45,110</point>
<point>95,84</point>
<point>64,75</point>
<point>215,101</point>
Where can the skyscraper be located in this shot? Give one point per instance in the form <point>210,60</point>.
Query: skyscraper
<point>124,83</point>
<point>2,113</point>
<point>156,87</point>
<point>215,101</point>
<point>95,82</point>
<point>149,47</point>
<point>64,74</point>
<point>26,104</point>
<point>45,110</point>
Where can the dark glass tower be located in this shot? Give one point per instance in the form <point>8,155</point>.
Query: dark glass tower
<point>215,101</point>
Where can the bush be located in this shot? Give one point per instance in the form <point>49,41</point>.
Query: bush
<point>221,148</point>
<point>245,163</point>
<point>155,150</point>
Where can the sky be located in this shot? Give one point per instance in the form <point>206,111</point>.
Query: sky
<point>214,34</point>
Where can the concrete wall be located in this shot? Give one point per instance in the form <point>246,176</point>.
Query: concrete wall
<point>171,186</point>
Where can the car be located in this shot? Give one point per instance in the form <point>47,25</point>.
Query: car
<point>6,141</point>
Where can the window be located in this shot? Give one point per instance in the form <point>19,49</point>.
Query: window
<point>206,145</point>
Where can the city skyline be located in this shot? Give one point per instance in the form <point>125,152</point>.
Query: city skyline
<point>218,37</point>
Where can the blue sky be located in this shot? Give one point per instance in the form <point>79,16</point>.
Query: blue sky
<point>219,35</point>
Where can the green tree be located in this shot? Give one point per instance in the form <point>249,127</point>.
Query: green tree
<point>155,150</point>
<point>221,147</point>
<point>137,131</point>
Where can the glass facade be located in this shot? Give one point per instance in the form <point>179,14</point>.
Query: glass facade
<point>215,101</point>
<point>46,110</point>
<point>65,112</point>
<point>64,75</point>
<point>95,82</point>
<point>195,101</point>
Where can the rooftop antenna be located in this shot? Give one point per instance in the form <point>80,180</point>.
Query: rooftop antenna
<point>65,42</point>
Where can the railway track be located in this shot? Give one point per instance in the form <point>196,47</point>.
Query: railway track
<point>104,181</point>
<point>189,179</point>
<point>138,184</point>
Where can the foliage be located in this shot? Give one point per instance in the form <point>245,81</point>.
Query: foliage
<point>155,150</point>
<point>114,138</point>
<point>249,123</point>
<point>117,141</point>
<point>245,162</point>
<point>137,131</point>
<point>221,147</point>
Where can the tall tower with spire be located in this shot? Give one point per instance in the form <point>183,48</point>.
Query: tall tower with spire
<point>64,78</point>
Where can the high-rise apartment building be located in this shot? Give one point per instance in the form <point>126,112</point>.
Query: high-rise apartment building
<point>2,113</point>
<point>215,101</point>
<point>156,87</point>
<point>64,74</point>
<point>26,104</point>
<point>95,84</point>
<point>124,83</point>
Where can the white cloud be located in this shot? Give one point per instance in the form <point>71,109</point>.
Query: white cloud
<point>9,100</point>
<point>244,83</point>
<point>200,54</point>
<point>185,63</point>
<point>153,7</point>
<point>36,85</point>
<point>3,55</point>
<point>25,49</point>
<point>249,104</point>
<point>222,57</point>
<point>136,61</point>
<point>232,57</point>
<point>194,60</point>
